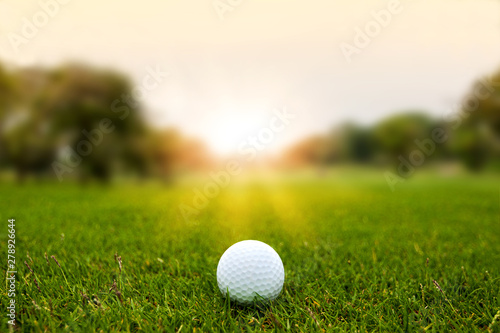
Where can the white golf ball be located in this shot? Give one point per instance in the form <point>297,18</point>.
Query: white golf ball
<point>250,271</point>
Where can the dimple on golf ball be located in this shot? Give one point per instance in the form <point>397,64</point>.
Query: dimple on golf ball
<point>250,271</point>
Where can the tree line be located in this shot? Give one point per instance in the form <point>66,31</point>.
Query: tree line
<point>469,134</point>
<point>72,122</point>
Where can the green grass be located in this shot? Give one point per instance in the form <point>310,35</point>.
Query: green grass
<point>357,256</point>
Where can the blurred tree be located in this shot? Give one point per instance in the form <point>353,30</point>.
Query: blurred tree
<point>85,122</point>
<point>7,90</point>
<point>486,93</point>
<point>25,145</point>
<point>395,136</point>
<point>316,150</point>
<point>162,153</point>
<point>85,113</point>
<point>166,153</point>
<point>357,143</point>
<point>476,129</point>
<point>6,93</point>
<point>93,114</point>
<point>470,145</point>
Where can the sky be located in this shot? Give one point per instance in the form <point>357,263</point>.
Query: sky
<point>232,64</point>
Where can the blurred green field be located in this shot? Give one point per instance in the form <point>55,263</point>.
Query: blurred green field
<point>357,256</point>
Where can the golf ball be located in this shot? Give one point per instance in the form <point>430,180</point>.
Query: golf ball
<point>250,271</point>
